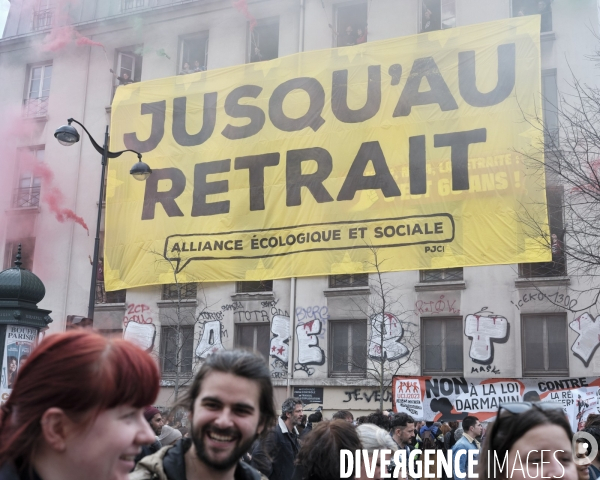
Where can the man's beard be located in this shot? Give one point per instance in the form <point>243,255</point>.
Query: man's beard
<point>234,457</point>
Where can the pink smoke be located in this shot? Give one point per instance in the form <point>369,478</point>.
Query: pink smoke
<point>51,195</point>
<point>60,37</point>
<point>81,40</point>
<point>54,197</point>
<point>242,7</point>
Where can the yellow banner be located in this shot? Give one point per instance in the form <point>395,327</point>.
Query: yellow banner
<point>299,165</point>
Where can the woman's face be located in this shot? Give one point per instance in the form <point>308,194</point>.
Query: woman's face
<point>106,449</point>
<point>544,451</point>
<point>12,366</point>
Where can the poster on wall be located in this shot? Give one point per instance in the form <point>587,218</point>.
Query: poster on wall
<point>18,346</point>
<point>453,398</point>
<point>297,166</point>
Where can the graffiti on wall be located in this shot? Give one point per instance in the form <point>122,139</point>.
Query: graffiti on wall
<point>358,395</point>
<point>211,341</point>
<point>309,351</point>
<point>588,340</point>
<point>139,326</point>
<point>484,329</point>
<point>556,298</point>
<point>442,304</point>
<point>280,328</point>
<point>386,333</point>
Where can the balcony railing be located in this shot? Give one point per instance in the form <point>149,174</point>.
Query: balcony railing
<point>35,107</point>
<point>26,197</point>
<point>42,19</point>
<point>102,296</point>
<point>127,5</point>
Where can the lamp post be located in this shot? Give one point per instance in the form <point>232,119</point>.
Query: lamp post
<point>67,135</point>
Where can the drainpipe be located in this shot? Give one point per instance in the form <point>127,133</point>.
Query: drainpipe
<point>292,335</point>
<point>301,30</point>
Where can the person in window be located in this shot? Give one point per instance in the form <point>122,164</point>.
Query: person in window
<point>347,38</point>
<point>361,35</point>
<point>186,69</point>
<point>198,67</point>
<point>256,55</point>
<point>543,8</point>
<point>427,25</point>
<point>124,79</point>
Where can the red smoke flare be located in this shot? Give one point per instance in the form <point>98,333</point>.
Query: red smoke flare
<point>81,40</point>
<point>242,7</point>
<point>54,197</point>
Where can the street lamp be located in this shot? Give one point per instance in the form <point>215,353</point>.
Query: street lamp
<point>67,135</point>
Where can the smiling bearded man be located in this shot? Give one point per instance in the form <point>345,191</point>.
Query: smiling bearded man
<point>231,405</point>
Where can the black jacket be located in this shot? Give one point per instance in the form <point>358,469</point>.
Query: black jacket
<point>148,450</point>
<point>275,455</point>
<point>169,464</point>
<point>9,472</point>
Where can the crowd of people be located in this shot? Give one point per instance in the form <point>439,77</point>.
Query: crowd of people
<point>80,409</point>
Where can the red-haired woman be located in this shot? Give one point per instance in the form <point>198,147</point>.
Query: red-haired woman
<point>76,410</point>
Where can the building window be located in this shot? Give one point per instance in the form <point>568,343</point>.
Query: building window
<point>42,15</point>
<point>264,41</point>
<point>38,91</point>
<point>442,345</point>
<point>194,52</point>
<point>128,5</point>
<point>27,252</point>
<point>352,280</point>
<point>188,291</point>
<point>521,8</point>
<point>252,287</point>
<point>550,109</point>
<point>442,275</point>
<point>129,67</point>
<point>254,337</point>
<point>545,346</point>
<point>348,347</point>
<point>27,193</point>
<point>438,15</point>
<point>351,24</point>
<point>558,266</point>
<point>176,348</point>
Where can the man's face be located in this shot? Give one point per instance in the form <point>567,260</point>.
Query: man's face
<point>348,29</point>
<point>406,433</point>
<point>296,416</point>
<point>477,430</point>
<point>157,422</point>
<point>226,419</point>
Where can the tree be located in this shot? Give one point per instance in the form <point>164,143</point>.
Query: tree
<point>572,171</point>
<point>182,343</point>
<point>392,339</point>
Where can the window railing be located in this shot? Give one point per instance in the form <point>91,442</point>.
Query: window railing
<point>127,5</point>
<point>35,107</point>
<point>26,197</point>
<point>442,275</point>
<point>352,280</point>
<point>42,19</point>
<point>187,291</point>
<point>253,287</point>
<point>102,296</point>
<point>555,268</point>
